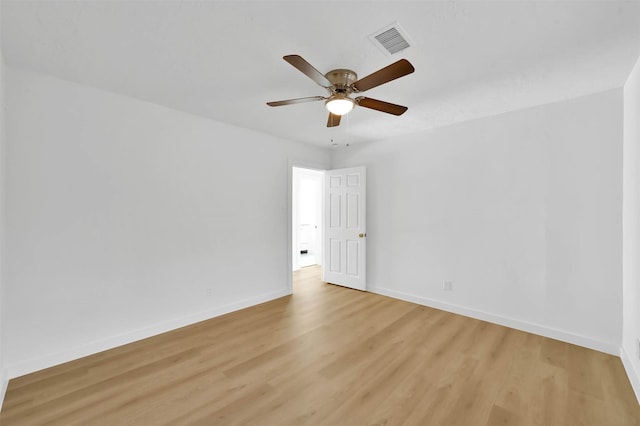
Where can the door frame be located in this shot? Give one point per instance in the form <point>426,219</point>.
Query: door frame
<point>303,165</point>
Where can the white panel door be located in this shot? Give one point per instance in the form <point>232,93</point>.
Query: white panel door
<point>345,227</point>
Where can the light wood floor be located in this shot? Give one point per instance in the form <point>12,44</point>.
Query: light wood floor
<point>331,356</point>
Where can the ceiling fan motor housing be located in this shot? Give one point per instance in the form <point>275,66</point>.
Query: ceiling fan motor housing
<point>341,79</point>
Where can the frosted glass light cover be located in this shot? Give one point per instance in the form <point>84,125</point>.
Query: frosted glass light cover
<point>339,106</point>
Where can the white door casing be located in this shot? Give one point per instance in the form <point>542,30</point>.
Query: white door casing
<point>345,227</point>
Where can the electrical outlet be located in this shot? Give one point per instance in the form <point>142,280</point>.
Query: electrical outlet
<point>638,349</point>
<point>209,292</point>
<point>447,285</point>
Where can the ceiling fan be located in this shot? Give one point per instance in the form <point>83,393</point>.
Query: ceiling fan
<point>341,83</point>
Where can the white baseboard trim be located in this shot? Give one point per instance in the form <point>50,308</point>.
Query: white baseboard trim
<point>4,383</point>
<point>632,373</point>
<point>529,327</point>
<point>49,360</point>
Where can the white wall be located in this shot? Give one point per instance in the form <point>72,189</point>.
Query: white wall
<point>522,211</point>
<point>125,219</point>
<point>631,230</point>
<point>3,377</point>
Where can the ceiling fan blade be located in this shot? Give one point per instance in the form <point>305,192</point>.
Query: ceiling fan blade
<point>334,120</point>
<point>391,72</point>
<point>307,69</point>
<point>383,106</point>
<point>296,101</point>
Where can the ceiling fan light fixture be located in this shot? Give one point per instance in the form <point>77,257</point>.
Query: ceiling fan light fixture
<point>342,82</point>
<point>339,104</point>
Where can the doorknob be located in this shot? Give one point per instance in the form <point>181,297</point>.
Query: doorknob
<point>361,235</point>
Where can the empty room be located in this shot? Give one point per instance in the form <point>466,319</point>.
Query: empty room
<point>319,212</point>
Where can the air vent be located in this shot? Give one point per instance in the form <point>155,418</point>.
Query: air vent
<point>391,39</point>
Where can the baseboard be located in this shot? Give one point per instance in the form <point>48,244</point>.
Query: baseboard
<point>529,327</point>
<point>49,360</point>
<point>632,373</point>
<point>4,383</point>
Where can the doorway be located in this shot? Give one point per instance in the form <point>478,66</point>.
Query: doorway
<point>307,217</point>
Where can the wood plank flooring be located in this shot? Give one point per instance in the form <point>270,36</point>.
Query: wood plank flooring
<point>331,356</point>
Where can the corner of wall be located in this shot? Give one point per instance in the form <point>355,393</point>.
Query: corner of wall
<point>631,229</point>
<point>634,376</point>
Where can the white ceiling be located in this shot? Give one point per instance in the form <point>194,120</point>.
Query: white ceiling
<point>224,59</point>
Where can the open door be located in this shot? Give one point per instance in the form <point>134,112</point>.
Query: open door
<point>345,227</point>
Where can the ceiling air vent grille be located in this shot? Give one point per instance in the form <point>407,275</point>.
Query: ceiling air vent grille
<point>391,39</point>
